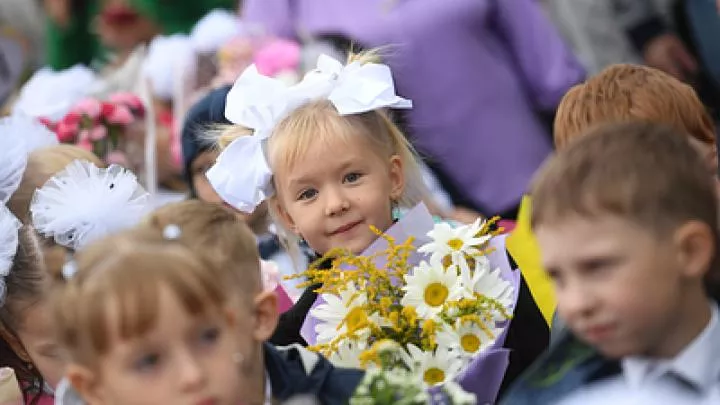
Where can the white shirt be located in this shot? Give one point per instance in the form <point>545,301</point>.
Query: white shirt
<point>653,382</point>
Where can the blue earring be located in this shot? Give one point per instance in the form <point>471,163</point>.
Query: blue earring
<point>394,211</point>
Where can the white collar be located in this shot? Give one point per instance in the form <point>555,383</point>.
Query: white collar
<point>268,390</point>
<point>698,362</point>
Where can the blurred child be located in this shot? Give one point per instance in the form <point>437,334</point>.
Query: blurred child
<point>626,218</point>
<point>27,341</point>
<point>217,233</point>
<point>166,327</point>
<point>143,320</point>
<point>617,94</point>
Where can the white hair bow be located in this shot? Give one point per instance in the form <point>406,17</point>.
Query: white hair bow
<point>9,239</point>
<point>83,203</point>
<point>241,175</point>
<point>19,136</point>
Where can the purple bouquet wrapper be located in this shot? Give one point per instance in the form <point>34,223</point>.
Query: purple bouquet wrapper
<point>416,223</point>
<point>484,374</point>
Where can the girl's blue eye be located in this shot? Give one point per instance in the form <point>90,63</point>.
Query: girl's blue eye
<point>352,177</point>
<point>147,362</point>
<point>209,336</point>
<point>307,194</point>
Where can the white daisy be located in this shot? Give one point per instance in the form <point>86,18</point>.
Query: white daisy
<point>467,338</point>
<point>434,367</point>
<point>347,310</point>
<point>348,354</point>
<point>429,287</point>
<point>490,284</point>
<point>453,245</point>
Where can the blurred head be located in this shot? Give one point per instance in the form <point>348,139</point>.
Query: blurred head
<point>29,344</point>
<point>636,93</point>
<point>146,321</point>
<point>625,218</point>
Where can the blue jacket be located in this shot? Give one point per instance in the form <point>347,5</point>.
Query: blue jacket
<point>568,365</point>
<point>294,371</point>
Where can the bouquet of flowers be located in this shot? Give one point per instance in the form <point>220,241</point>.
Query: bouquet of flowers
<point>99,126</point>
<point>398,386</point>
<point>443,303</point>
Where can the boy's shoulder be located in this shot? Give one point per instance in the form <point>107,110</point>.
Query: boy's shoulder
<point>567,365</point>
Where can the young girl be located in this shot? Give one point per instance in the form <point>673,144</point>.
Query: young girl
<point>332,164</point>
<point>144,320</point>
<point>27,342</point>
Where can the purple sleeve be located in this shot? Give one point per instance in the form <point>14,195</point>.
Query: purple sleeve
<point>546,63</point>
<point>274,16</point>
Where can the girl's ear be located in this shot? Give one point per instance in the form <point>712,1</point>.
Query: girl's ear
<point>397,177</point>
<point>85,383</point>
<point>266,315</point>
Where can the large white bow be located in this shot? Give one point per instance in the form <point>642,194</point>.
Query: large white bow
<point>241,175</point>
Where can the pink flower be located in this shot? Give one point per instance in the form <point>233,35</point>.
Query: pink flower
<point>88,106</point>
<point>66,131</point>
<point>118,158</point>
<point>121,115</point>
<point>97,133</point>
<point>127,99</point>
<point>85,144</point>
<point>276,56</point>
<point>46,121</point>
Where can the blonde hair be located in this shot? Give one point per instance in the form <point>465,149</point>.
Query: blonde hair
<point>220,236</point>
<point>318,122</point>
<point>122,275</point>
<point>632,93</point>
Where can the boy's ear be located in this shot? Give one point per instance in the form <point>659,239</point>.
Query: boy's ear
<point>695,243</point>
<point>266,315</point>
<point>397,177</point>
<point>85,383</point>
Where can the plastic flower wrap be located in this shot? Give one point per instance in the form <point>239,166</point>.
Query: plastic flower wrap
<point>443,302</point>
<point>100,126</point>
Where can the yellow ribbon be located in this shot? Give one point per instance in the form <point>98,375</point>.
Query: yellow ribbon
<point>525,251</point>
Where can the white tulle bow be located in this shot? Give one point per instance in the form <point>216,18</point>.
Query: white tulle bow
<point>84,203</point>
<point>242,176</point>
<point>19,135</point>
<point>9,226</point>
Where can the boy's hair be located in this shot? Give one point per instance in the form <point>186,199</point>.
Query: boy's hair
<point>27,284</point>
<point>220,236</point>
<point>641,172</point>
<point>121,276</point>
<point>623,93</point>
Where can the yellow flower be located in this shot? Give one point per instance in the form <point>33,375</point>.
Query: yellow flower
<point>468,338</point>
<point>343,314</point>
<point>454,245</point>
<point>435,367</point>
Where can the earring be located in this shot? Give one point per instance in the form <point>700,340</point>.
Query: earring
<point>394,210</point>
